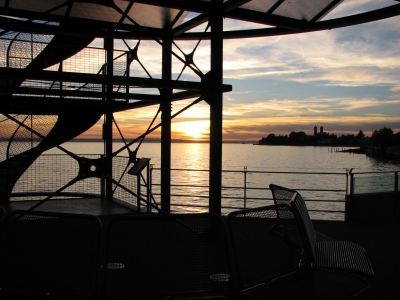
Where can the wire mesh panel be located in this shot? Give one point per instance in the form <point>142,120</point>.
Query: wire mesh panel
<point>89,60</point>
<point>4,44</point>
<point>120,63</point>
<point>22,48</point>
<point>50,173</point>
<point>7,128</point>
<point>161,256</point>
<point>49,254</point>
<point>21,138</point>
<point>120,168</point>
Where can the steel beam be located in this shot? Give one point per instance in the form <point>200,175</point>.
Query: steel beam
<point>216,107</point>
<point>166,123</point>
<point>108,117</point>
<point>8,73</point>
<point>93,28</point>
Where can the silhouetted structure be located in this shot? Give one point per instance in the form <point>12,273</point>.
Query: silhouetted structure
<point>55,84</point>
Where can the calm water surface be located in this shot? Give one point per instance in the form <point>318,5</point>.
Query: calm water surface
<point>318,172</point>
<point>254,157</point>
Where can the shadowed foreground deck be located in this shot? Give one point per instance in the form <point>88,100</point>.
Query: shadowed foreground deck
<point>382,242</point>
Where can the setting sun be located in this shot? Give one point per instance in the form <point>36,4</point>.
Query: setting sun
<point>192,130</point>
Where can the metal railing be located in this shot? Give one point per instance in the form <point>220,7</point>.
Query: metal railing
<point>324,191</point>
<point>51,172</point>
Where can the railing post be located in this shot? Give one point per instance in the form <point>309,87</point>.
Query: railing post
<point>138,191</point>
<point>150,183</point>
<point>148,188</point>
<point>351,182</point>
<point>244,189</point>
<point>102,185</point>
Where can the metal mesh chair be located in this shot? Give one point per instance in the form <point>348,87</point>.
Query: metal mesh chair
<point>271,257</point>
<point>339,255</point>
<point>161,256</point>
<point>281,194</point>
<point>266,242</point>
<point>49,255</point>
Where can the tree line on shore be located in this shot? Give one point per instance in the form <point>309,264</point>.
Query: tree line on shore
<point>383,136</point>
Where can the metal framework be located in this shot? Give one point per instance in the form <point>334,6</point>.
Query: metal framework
<point>39,38</point>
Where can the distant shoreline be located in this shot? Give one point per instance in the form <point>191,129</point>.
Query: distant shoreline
<point>327,146</point>
<point>159,141</point>
<point>354,148</point>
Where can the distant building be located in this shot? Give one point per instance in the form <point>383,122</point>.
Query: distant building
<point>321,130</point>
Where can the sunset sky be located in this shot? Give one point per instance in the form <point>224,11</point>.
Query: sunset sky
<point>345,80</point>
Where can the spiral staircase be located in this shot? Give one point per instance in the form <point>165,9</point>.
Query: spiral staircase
<point>28,130</point>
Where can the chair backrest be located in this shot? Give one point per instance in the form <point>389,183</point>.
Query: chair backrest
<point>300,209</point>
<point>267,243</point>
<point>53,254</point>
<point>160,256</point>
<point>288,196</point>
<point>281,194</point>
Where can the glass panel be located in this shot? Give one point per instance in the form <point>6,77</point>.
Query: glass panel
<point>142,14</point>
<point>36,5</point>
<point>259,5</point>
<point>373,184</point>
<point>301,9</point>
<point>95,12</point>
<point>153,16</point>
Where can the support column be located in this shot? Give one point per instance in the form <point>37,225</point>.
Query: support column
<point>216,107</point>
<point>108,117</point>
<point>166,124</point>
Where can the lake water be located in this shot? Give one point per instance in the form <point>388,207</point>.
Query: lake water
<point>318,172</point>
<point>254,157</point>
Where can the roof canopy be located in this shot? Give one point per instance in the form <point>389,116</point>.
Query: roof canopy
<point>147,18</point>
<point>62,28</point>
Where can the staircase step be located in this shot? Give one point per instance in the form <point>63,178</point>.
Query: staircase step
<point>13,165</point>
